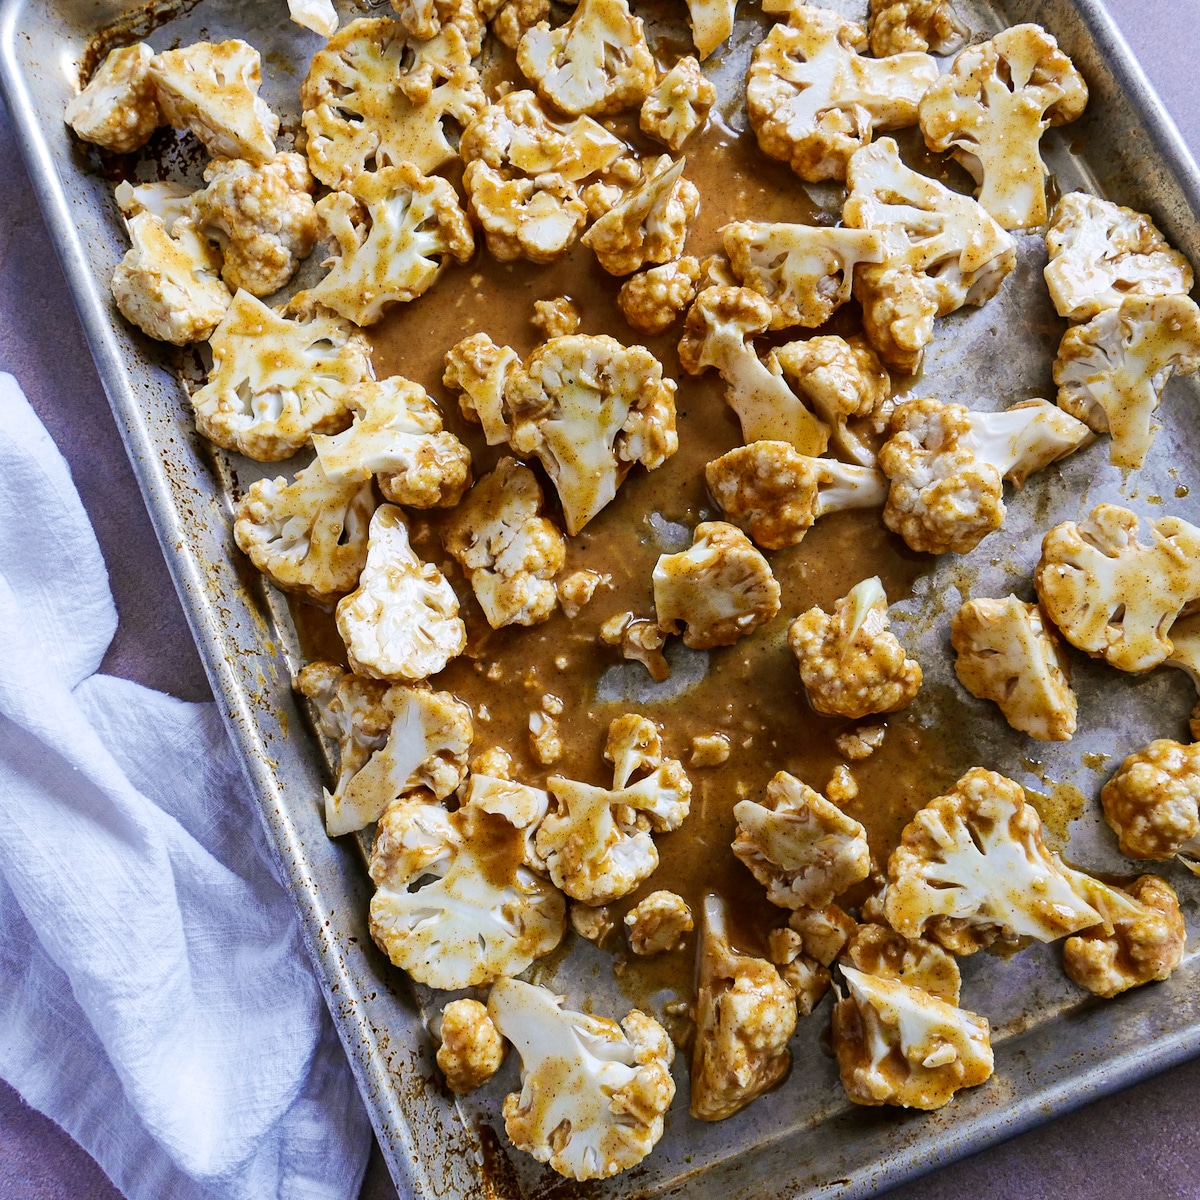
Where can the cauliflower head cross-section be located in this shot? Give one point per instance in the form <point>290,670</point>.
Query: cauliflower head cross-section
<point>679,105</point>
<point>1152,802</point>
<point>118,109</point>
<point>900,25</point>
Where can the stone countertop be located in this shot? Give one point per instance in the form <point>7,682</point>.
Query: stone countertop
<point>1145,1136</point>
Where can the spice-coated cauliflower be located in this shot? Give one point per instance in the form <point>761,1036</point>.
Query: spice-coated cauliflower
<point>555,318</point>
<point>118,109</point>
<point>900,25</point>
<point>657,923</point>
<point>808,979</point>
<point>1152,803</point>
<point>679,105</point>
<point>479,369</point>
<point>471,1049</point>
<point>640,640</point>
<point>652,301</point>
<point>425,19</point>
<point>712,22</point>
<point>575,591</point>
<point>823,932</point>
<point>515,18</point>
<point>318,15</point>
<point>885,954</point>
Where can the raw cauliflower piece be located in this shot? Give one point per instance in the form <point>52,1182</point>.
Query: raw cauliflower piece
<point>1102,253</point>
<point>118,110</point>
<point>883,953</point>
<point>652,301</point>
<point>507,549</point>
<point>1007,653</point>
<point>471,1049</point>
<point>555,318</point>
<point>900,25</point>
<point>777,495</point>
<point>275,381</point>
<point>991,110</point>
<point>515,18</point>
<point>211,89</point>
<point>804,272</point>
<point>395,229</point>
<point>718,333</point>
<point>593,1093</point>
<point>537,219</point>
<point>1111,372</point>
<point>425,19</point>
<point>589,408</point>
<point>971,867</point>
<point>679,105</point>
<point>262,217</point>
<point>658,923</point>
<point>709,750</point>
<point>808,979</point>
<point>851,663</point>
<point>721,588</point>
<point>800,847</point>
<point>598,62</point>
<point>640,640</point>
<point>479,368</point>
<point>649,225</point>
<point>860,743</point>
<point>1152,803</point>
<point>824,932</point>
<point>813,100</point>
<point>941,251</point>
<point>575,591</point>
<point>948,464</point>
<point>402,623</point>
<point>1113,596</point>
<point>308,534</point>
<point>745,1014</point>
<point>711,22</point>
<point>897,1044</point>
<point>318,15</point>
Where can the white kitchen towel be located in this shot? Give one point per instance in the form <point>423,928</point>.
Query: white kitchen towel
<point>155,998</point>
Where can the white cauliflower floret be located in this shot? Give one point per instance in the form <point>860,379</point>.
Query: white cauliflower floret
<point>555,318</point>
<point>589,408</point>
<point>634,744</point>
<point>537,218</point>
<point>593,1093</point>
<point>1111,372</point>
<point>657,923</point>
<point>883,953</point>
<point>745,1014</point>
<point>318,15</point>
<point>804,272</point>
<point>640,640</point>
<point>1007,653</point>
<point>308,534</point>
<point>1113,596</point>
<point>800,847</point>
<point>507,549</point>
<point>1152,803</point>
<point>118,109</point>
<point>851,663</point>
<point>991,110</point>
<point>652,301</point>
<point>720,325</point>
<point>262,218</point>
<point>813,100</point>
<point>479,368</point>
<point>711,22</point>
<point>576,590</point>
<point>595,924</point>
<point>900,25</point>
<point>402,623</point>
<point>515,18</point>
<point>679,105</point>
<point>211,89</point>
<point>898,1044</point>
<point>457,904</point>
<point>948,464</point>
<point>597,62</point>
<point>1101,253</point>
<point>824,932</point>
<point>721,588</point>
<point>860,743</point>
<point>971,867</point>
<point>941,251</point>
<point>395,229</point>
<point>471,1049</point>
<point>275,381</point>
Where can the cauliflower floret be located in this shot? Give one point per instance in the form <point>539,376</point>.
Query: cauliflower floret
<point>679,105</point>
<point>721,588</point>
<point>211,89</point>
<point>479,368</point>
<point>593,1093</point>
<point>717,334</point>
<point>595,924</point>
<point>804,272</point>
<point>425,19</point>
<point>824,932</point>
<point>555,318</point>
<point>308,534</point>
<point>509,552</point>
<point>576,590</point>
<point>515,18</point>
<point>711,22</point>
<point>709,750</point>
<point>275,381</point>
<point>1153,802</point>
<point>649,225</point>
<point>1111,372</point>
<point>395,229</point>
<point>813,99</point>
<point>597,62</point>
<point>589,408</point>
<point>900,25</point>
<point>897,1044</point>
<point>745,1014</point>
<point>639,640</point>
<point>883,953</point>
<point>402,623</point>
<point>860,743</point>
<point>1101,253</point>
<point>471,1049</point>
<point>1110,594</point>
<point>800,847</point>
<point>971,867</point>
<point>457,904</point>
<point>118,109</point>
<point>262,218</point>
<point>318,15</point>
<point>658,923</point>
<point>851,663</point>
<point>652,300</point>
<point>941,251</point>
<point>992,108</point>
<point>537,218</point>
<point>808,979</point>
<point>947,465</point>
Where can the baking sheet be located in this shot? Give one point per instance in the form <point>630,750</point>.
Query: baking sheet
<point>1053,1050</point>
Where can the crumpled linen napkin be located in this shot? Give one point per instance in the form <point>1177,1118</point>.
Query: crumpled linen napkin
<point>155,998</point>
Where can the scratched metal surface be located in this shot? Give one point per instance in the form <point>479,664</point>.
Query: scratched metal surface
<point>1054,1050</point>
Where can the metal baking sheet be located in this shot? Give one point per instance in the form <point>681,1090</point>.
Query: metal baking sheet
<point>1054,1049</point>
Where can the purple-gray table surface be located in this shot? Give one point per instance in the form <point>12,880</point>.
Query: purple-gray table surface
<point>1146,1137</point>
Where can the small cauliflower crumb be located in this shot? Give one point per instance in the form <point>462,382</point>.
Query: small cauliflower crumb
<point>494,762</point>
<point>639,640</point>
<point>576,590</point>
<point>545,741</point>
<point>594,924</point>
<point>709,750</point>
<point>658,923</point>
<point>652,301</point>
<point>472,1049</point>
<point>555,318</point>
<point>860,743</point>
<point>842,786</point>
